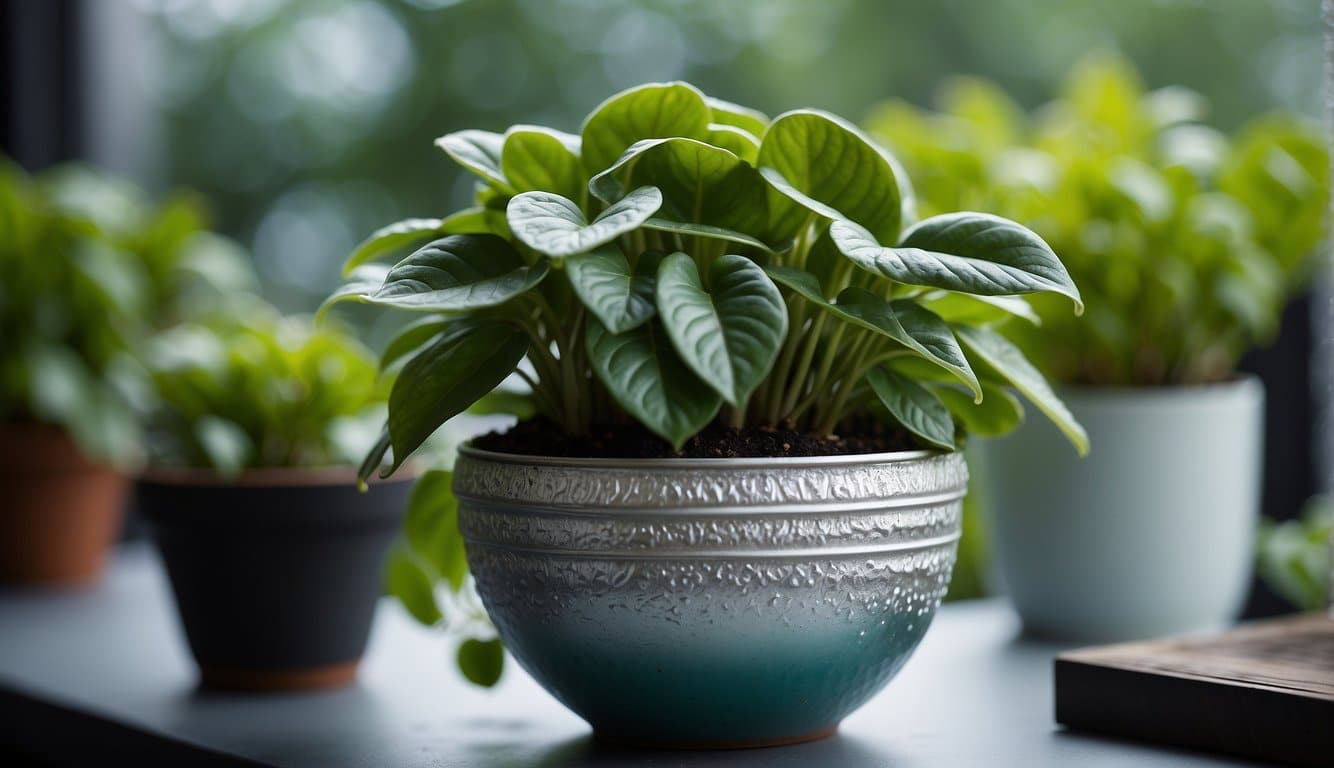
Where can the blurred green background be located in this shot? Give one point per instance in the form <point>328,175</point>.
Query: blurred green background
<point>308,123</point>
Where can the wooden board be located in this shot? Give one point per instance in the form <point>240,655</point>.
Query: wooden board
<point>1262,690</point>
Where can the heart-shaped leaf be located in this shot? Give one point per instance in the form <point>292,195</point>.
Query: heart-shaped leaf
<point>554,225</point>
<point>647,378</point>
<point>654,110</point>
<point>456,274</point>
<point>479,152</point>
<point>730,334</point>
<point>469,360</point>
<point>913,406</point>
<point>998,414</point>
<point>828,166</point>
<point>1008,363</point>
<point>967,252</point>
<point>541,159</point>
<point>749,120</point>
<point>703,184</point>
<point>622,300</point>
<point>390,238</point>
<point>904,321</point>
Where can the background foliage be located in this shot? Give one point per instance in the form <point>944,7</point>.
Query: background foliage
<point>1186,242</point>
<point>304,119</point>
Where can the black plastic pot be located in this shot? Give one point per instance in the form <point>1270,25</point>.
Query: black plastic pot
<point>276,573</point>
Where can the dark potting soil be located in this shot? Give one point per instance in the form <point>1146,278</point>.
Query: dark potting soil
<point>539,437</point>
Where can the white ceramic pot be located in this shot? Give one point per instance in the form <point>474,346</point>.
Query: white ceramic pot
<point>1151,534</point>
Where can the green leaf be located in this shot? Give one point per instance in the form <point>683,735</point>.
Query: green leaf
<point>914,406</point>
<point>505,402</point>
<point>828,166</point>
<point>225,443</point>
<point>978,310</point>
<point>730,334</point>
<point>804,283</point>
<point>555,225</point>
<point>458,273</point>
<point>482,661</point>
<point>703,184</point>
<point>905,321</point>
<point>647,378</point>
<point>968,252</point>
<point>654,110</point>
<point>706,231</point>
<point>1005,359</point>
<point>478,220</point>
<point>411,338</point>
<point>541,159</point>
<point>465,363</point>
<point>431,527</point>
<point>374,458</point>
<point>361,282</point>
<point>408,580</point>
<point>998,414</point>
<point>604,283</point>
<point>479,152</point>
<point>749,120</point>
<point>735,140</point>
<point>390,238</point>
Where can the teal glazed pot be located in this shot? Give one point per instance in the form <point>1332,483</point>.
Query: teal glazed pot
<point>713,602</point>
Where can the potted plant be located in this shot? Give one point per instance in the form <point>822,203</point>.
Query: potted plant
<point>274,555</point>
<point>734,508</point>
<point>87,270</point>
<point>1186,244</point>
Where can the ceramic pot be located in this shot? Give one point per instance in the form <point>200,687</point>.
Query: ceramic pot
<point>714,602</point>
<point>1151,534</point>
<point>276,573</point>
<point>62,511</point>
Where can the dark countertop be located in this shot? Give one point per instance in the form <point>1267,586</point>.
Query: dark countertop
<point>106,670</point>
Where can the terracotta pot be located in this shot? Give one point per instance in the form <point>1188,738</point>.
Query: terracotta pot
<point>61,510</point>
<point>276,572</point>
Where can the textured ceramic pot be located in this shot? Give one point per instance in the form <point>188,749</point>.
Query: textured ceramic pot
<point>713,602</point>
<point>1151,534</point>
<point>62,511</point>
<point>276,573</point>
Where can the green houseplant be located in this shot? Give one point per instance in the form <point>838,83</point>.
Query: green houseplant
<point>273,554</point>
<point>747,370</point>
<point>1186,243</point>
<point>88,269</point>
<point>1296,557</point>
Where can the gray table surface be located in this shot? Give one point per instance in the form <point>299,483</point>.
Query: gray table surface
<point>973,694</point>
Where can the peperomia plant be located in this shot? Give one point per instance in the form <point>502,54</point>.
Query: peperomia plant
<point>684,259</point>
<point>1187,243</point>
<point>271,392</point>
<point>89,269</point>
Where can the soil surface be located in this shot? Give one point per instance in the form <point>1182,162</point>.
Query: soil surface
<point>539,437</point>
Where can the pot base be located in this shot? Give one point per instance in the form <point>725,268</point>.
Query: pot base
<point>274,680</point>
<point>62,510</point>
<point>619,741</point>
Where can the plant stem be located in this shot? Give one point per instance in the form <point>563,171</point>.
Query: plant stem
<point>799,374</point>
